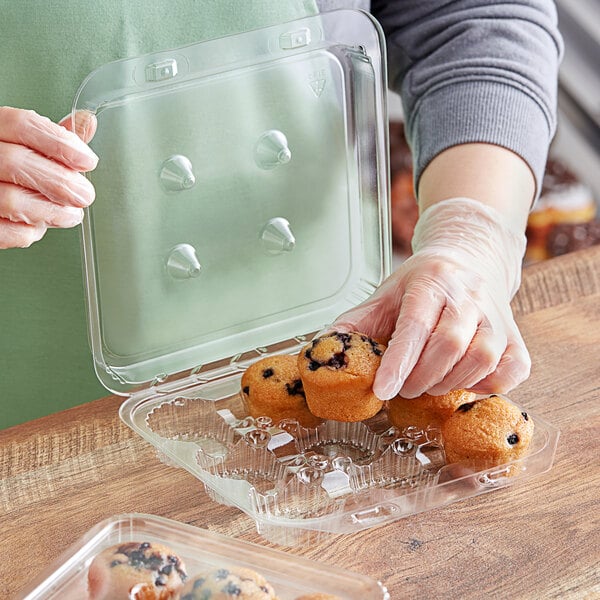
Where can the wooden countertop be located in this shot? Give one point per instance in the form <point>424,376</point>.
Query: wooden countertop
<point>540,539</point>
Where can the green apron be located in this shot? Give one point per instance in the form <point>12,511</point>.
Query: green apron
<point>47,49</point>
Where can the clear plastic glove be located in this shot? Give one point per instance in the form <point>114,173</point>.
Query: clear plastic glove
<point>446,311</point>
<point>41,184</point>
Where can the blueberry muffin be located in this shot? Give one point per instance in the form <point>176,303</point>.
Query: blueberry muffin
<point>487,432</point>
<point>226,584</point>
<point>272,387</point>
<point>136,571</point>
<point>426,410</point>
<point>337,372</point>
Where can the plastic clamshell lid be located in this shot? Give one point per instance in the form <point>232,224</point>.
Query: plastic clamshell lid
<point>241,194</point>
<point>199,549</point>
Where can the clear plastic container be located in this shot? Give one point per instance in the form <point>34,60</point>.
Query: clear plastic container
<point>242,203</point>
<point>199,549</point>
<point>303,484</point>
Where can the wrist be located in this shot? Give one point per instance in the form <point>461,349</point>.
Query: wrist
<point>474,236</point>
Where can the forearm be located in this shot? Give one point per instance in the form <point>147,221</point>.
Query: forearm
<point>489,174</point>
<point>474,71</point>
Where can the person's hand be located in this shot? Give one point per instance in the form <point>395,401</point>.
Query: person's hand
<point>41,184</point>
<point>446,310</point>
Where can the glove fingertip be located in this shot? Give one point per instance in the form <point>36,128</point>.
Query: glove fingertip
<point>386,388</point>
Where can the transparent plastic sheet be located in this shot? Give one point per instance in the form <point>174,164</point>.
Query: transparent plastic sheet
<point>241,194</point>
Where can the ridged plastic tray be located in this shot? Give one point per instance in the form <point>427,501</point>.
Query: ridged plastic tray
<point>300,484</point>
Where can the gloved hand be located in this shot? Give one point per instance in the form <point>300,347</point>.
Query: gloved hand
<point>446,310</point>
<point>40,181</point>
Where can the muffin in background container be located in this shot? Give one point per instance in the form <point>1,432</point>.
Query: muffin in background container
<point>224,584</point>
<point>139,570</point>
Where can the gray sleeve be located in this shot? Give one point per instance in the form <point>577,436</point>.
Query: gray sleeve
<point>474,71</point>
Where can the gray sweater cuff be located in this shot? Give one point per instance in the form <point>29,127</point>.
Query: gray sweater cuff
<point>454,113</point>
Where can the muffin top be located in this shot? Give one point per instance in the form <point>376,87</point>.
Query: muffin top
<point>349,353</point>
<point>488,428</point>
<point>272,373</point>
<point>442,406</point>
<point>152,569</point>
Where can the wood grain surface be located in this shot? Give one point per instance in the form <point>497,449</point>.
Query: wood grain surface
<point>63,473</point>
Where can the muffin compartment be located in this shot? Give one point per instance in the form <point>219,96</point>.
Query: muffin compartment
<point>302,483</point>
